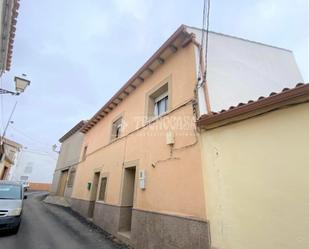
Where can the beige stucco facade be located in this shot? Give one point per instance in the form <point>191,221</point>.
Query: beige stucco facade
<point>150,185</point>
<point>256,179</point>
<point>173,172</point>
<point>66,164</point>
<point>163,180</point>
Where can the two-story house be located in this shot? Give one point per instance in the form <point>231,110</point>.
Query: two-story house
<point>141,177</point>
<point>69,155</point>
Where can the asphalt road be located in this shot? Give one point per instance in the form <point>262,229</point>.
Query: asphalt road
<point>46,226</point>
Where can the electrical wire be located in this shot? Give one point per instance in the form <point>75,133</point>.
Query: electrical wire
<point>204,41</point>
<point>206,44</point>
<point>30,138</point>
<point>9,120</point>
<point>36,145</point>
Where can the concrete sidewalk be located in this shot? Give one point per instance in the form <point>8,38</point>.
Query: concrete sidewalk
<point>57,200</point>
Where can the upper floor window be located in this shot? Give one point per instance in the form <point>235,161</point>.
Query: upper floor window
<point>158,101</point>
<point>28,168</point>
<point>12,154</point>
<point>116,128</point>
<point>160,105</point>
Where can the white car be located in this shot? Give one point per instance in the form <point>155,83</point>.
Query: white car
<point>25,185</point>
<point>11,205</point>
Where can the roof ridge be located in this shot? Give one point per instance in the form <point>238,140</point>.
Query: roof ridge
<point>243,39</point>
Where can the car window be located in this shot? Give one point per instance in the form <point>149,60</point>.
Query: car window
<point>10,192</point>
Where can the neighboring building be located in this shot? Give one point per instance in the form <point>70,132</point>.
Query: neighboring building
<point>8,15</point>
<point>239,69</point>
<point>8,20</point>
<point>36,168</point>
<point>141,176</point>
<point>71,145</point>
<point>8,158</point>
<point>255,167</point>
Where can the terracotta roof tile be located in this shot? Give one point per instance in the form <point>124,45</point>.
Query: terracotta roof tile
<point>299,90</point>
<point>272,94</point>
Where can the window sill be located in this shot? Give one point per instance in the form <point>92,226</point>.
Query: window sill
<point>154,119</point>
<point>115,139</point>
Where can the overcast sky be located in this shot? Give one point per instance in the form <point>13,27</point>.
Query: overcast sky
<point>77,54</point>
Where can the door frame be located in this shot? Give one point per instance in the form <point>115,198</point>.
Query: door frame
<point>129,164</point>
<point>94,193</point>
<point>63,175</point>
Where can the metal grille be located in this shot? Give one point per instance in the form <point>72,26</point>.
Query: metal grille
<point>3,213</point>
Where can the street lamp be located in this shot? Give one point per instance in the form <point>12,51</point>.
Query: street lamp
<point>20,86</point>
<point>55,149</point>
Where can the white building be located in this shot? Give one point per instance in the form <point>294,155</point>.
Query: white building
<point>37,168</point>
<point>240,70</point>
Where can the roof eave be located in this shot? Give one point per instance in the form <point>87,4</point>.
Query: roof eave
<point>8,33</point>
<point>72,131</point>
<point>263,104</point>
<point>139,76</point>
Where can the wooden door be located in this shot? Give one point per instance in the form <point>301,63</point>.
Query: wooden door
<point>93,197</point>
<point>127,202</point>
<point>63,182</point>
<point>4,173</point>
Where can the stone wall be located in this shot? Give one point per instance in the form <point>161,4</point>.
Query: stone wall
<point>81,206</point>
<point>157,231</point>
<point>149,230</point>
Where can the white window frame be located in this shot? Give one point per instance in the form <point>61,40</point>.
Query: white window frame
<point>117,127</point>
<point>156,104</point>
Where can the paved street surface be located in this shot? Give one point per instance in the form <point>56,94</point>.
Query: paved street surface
<point>46,226</point>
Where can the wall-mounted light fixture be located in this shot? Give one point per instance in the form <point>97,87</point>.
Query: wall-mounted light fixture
<point>21,84</point>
